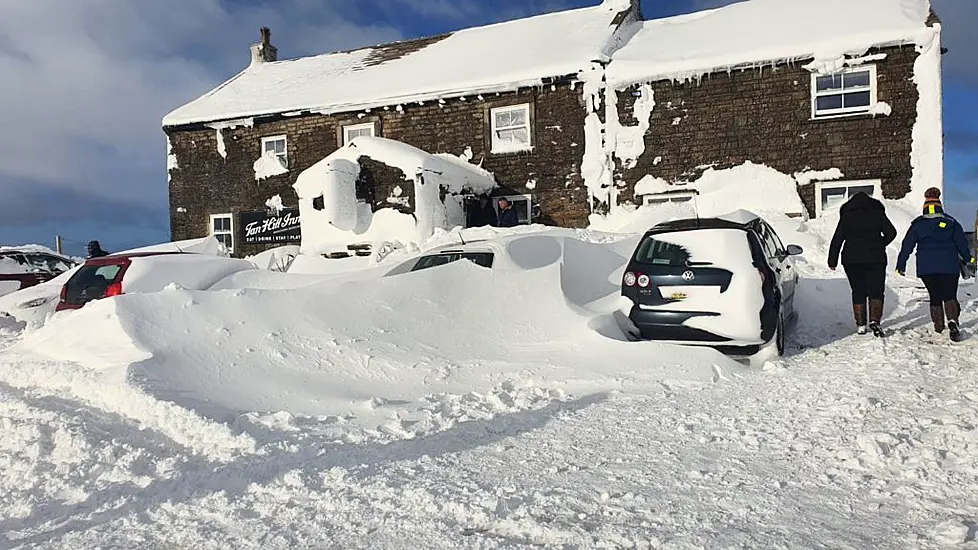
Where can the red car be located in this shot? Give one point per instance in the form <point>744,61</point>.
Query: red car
<point>23,268</point>
<point>117,274</point>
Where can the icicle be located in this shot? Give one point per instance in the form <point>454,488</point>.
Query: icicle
<point>481,98</point>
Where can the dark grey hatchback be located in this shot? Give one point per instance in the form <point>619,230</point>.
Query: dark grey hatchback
<point>728,283</point>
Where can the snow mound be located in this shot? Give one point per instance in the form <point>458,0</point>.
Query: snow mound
<point>364,347</point>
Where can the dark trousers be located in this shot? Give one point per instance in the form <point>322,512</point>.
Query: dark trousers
<point>942,288</point>
<point>867,281</point>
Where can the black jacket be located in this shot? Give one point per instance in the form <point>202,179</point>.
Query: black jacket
<point>863,233</point>
<point>509,218</point>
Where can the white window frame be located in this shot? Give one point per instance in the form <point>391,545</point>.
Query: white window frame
<point>845,184</point>
<point>356,127</point>
<point>282,157</point>
<point>497,148</point>
<point>229,232</point>
<point>844,112</point>
<point>529,205</point>
<point>677,197</point>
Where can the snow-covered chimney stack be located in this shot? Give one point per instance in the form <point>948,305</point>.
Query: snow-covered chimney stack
<point>264,52</point>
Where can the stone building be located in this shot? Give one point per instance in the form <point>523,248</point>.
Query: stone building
<point>570,111</point>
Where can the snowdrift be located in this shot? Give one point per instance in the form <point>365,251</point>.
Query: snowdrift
<point>370,345</point>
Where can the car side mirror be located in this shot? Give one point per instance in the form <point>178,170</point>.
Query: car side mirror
<point>795,250</point>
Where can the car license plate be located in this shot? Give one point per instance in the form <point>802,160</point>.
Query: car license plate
<point>678,296</point>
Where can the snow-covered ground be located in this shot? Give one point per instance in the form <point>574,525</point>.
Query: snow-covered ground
<point>463,408</point>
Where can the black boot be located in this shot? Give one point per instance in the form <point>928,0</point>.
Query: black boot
<point>937,316</point>
<point>859,315</point>
<point>876,317</point>
<point>953,310</point>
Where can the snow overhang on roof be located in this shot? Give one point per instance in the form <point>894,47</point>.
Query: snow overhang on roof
<point>489,59</point>
<point>758,32</point>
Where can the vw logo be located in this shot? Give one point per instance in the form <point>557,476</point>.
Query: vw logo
<point>688,275</point>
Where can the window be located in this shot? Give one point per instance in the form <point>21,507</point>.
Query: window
<point>663,198</point>
<point>770,241</point>
<point>523,204</point>
<point>852,91</point>
<point>482,259</point>
<point>357,130</point>
<point>830,195</point>
<point>278,146</point>
<point>511,129</point>
<point>222,227</point>
<point>662,253</point>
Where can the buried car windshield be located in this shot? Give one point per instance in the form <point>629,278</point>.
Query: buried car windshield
<point>483,259</point>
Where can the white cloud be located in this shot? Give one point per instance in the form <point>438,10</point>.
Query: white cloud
<point>87,82</point>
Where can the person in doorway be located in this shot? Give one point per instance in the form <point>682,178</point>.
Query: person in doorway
<point>481,213</point>
<point>862,235</point>
<point>942,249</point>
<point>95,250</point>
<point>508,217</point>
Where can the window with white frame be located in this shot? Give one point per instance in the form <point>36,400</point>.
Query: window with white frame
<point>663,198</point>
<point>849,92</point>
<point>278,146</point>
<point>222,228</point>
<point>523,204</point>
<point>356,130</point>
<point>831,195</point>
<point>511,129</point>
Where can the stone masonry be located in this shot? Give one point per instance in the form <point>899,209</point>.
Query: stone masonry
<point>206,183</point>
<point>764,116</point>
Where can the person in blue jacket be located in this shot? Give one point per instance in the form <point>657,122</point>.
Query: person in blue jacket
<point>941,249</point>
<point>508,216</point>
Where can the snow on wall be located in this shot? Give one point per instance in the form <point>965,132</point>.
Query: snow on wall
<point>171,159</point>
<point>268,165</point>
<point>343,220</point>
<point>628,142</point>
<point>275,203</point>
<point>927,151</point>
<point>810,176</point>
<point>754,187</point>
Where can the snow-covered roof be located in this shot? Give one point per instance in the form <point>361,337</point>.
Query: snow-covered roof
<point>487,59</point>
<point>764,31</point>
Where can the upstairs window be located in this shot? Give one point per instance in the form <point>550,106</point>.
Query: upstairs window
<point>278,146</point>
<point>511,129</point>
<point>356,130</point>
<point>849,92</point>
<point>222,228</point>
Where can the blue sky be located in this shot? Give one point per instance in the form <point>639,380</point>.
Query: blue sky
<point>87,82</point>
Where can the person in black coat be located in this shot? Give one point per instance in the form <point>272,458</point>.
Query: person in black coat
<point>508,216</point>
<point>863,233</point>
<point>95,250</point>
<point>942,250</point>
<point>481,213</point>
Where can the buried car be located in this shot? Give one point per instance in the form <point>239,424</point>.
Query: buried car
<point>22,268</point>
<point>118,274</point>
<point>726,282</point>
<point>481,253</point>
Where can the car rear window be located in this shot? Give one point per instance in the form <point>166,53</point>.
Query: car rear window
<point>656,252</point>
<point>89,283</point>
<point>483,259</point>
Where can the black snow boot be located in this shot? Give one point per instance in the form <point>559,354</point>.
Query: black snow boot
<point>937,316</point>
<point>875,317</point>
<point>953,309</point>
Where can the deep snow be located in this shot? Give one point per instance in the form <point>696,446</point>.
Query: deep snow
<point>460,407</point>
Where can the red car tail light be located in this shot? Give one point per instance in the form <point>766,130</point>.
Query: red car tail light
<point>629,279</point>
<point>64,292</point>
<point>114,289</point>
<point>644,281</point>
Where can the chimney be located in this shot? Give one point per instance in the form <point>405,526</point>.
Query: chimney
<point>264,51</point>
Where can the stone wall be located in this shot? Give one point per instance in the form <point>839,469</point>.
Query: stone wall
<point>764,116</point>
<point>206,184</point>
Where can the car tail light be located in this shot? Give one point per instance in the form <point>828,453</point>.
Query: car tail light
<point>644,281</point>
<point>64,293</point>
<point>114,289</point>
<point>629,279</point>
